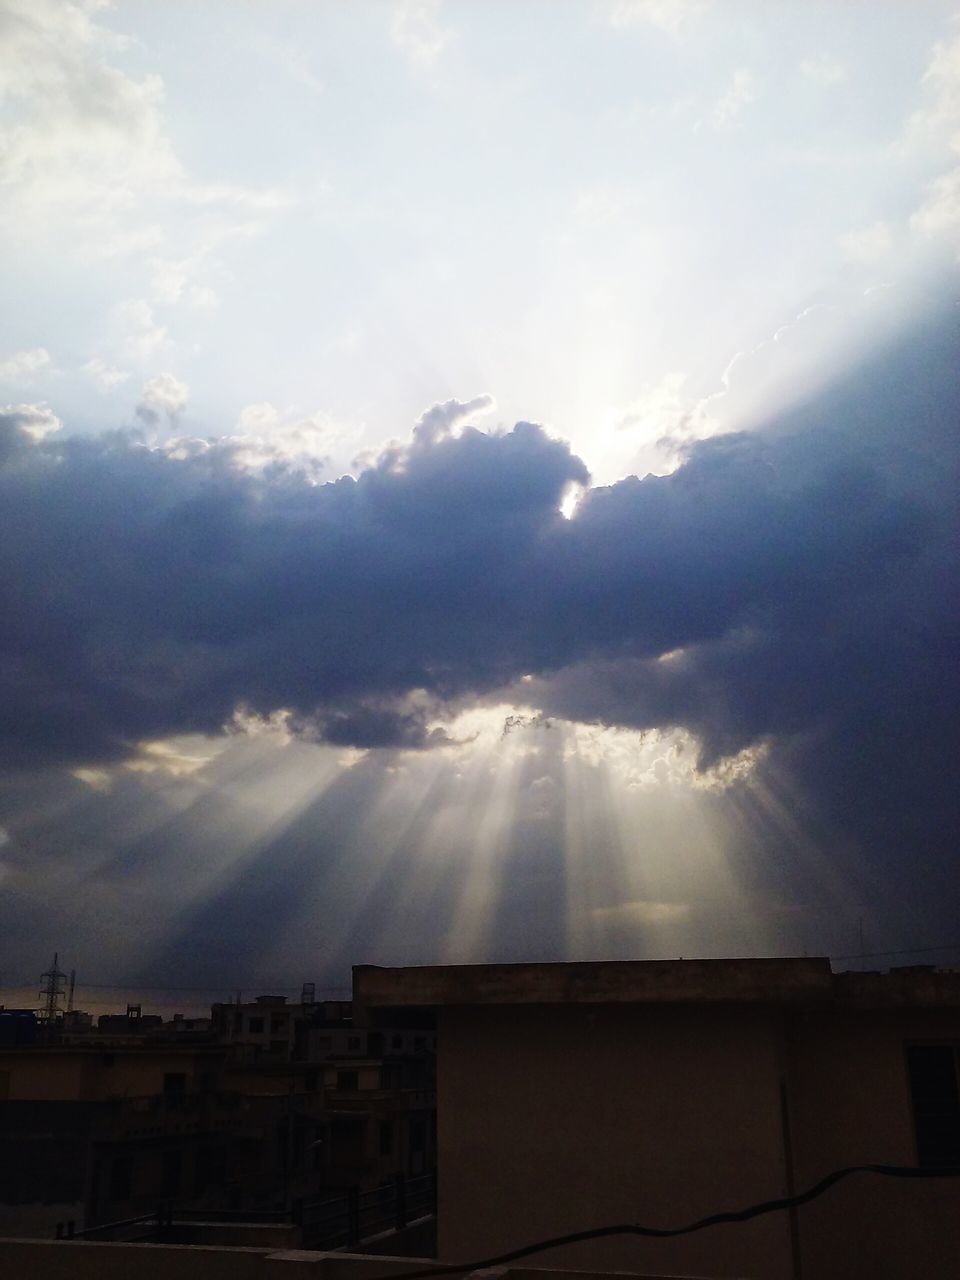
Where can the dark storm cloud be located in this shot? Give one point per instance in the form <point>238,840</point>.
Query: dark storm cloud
<point>802,571</point>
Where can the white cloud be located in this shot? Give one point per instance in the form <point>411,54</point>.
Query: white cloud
<point>202,297</point>
<point>268,437</point>
<point>937,123</point>
<point>868,244</point>
<point>84,136</point>
<point>672,16</point>
<point>140,336</point>
<point>643,911</point>
<point>739,94</point>
<point>164,395</point>
<point>823,70</point>
<point>86,145</point>
<point>269,440</point>
<point>290,60</point>
<point>940,113</point>
<point>23,366</point>
<point>103,375</point>
<point>37,420</point>
<point>416,31</point>
<point>940,211</point>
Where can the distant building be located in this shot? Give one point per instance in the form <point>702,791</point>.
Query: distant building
<point>258,1109</point>
<point>17,1026</point>
<point>579,1095</point>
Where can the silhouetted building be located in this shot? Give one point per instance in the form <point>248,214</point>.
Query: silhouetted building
<point>258,1109</point>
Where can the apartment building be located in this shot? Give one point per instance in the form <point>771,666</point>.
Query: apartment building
<point>257,1109</point>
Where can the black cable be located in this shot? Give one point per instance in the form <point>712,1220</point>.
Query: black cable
<point>715,1219</point>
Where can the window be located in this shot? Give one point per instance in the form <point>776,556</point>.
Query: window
<point>174,1082</point>
<point>418,1135</point>
<point>397,1042</point>
<point>255,1026</point>
<point>109,1059</point>
<point>347,1081</point>
<point>932,1069</point>
<point>419,1044</point>
<point>278,1046</point>
<point>310,1082</point>
<point>353,1044</point>
<point>278,1024</point>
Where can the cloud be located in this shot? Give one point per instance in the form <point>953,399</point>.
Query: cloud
<point>22,368</point>
<point>163,396</point>
<point>103,375</point>
<point>739,94</point>
<point>139,336</point>
<point>88,161</point>
<point>439,420</point>
<point>416,31</point>
<point>869,244</point>
<point>785,600</point>
<point>937,123</point>
<point>823,70</point>
<point>644,912</point>
<point>269,443</point>
<point>672,16</point>
<point>23,424</point>
<point>84,135</point>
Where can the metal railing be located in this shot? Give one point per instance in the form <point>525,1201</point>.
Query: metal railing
<point>355,1215</point>
<point>155,1221</point>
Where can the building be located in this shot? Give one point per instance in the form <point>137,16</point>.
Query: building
<point>572,1096</point>
<point>256,1111</point>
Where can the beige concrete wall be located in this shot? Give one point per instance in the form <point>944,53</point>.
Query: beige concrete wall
<point>59,1075</point>
<point>35,1075</point>
<point>850,1104</point>
<point>556,1119</point>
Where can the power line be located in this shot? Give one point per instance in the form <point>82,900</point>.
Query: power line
<point>715,1219</point>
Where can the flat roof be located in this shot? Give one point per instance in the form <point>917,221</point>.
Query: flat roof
<point>755,980</point>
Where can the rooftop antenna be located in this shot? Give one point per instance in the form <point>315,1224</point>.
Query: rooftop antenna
<point>308,993</point>
<point>51,993</point>
<point>73,983</point>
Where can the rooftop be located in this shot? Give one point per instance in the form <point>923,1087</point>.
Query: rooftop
<point>769,981</point>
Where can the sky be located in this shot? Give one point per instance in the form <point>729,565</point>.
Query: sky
<point>477,483</point>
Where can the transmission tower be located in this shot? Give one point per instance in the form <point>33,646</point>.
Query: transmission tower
<point>52,991</point>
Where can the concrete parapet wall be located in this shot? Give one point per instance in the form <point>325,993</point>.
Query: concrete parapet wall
<point>102,1260</point>
<point>99,1260</point>
<point>608,982</point>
